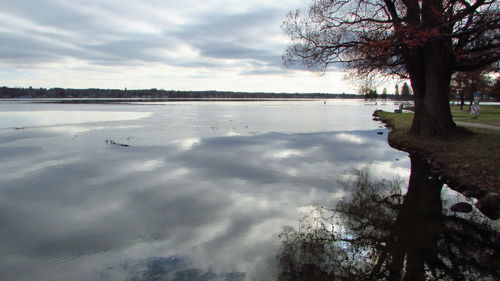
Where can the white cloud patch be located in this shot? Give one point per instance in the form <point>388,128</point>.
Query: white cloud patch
<point>181,40</point>
<point>286,153</point>
<point>350,138</point>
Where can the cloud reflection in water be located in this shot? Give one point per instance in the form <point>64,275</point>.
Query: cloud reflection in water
<point>219,201</point>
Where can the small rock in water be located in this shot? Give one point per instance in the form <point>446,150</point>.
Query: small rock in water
<point>461,207</point>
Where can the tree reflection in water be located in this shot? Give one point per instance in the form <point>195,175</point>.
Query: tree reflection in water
<point>380,234</point>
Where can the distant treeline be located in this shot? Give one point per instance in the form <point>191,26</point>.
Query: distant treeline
<point>6,92</point>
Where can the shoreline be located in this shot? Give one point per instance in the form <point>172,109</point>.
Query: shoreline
<point>467,161</point>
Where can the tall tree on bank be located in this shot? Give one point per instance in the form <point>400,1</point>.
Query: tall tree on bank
<point>384,94</point>
<point>406,91</point>
<point>464,84</point>
<point>423,40</point>
<point>495,89</point>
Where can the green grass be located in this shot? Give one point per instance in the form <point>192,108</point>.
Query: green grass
<point>489,114</point>
<point>398,120</point>
<point>468,159</point>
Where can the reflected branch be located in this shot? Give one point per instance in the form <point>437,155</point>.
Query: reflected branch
<point>377,233</point>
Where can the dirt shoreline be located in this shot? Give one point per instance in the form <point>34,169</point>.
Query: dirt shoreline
<point>472,172</point>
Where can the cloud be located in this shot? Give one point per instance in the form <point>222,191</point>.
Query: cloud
<point>236,36</point>
<point>17,49</point>
<point>216,200</point>
<point>47,31</point>
<point>270,71</point>
<point>229,39</point>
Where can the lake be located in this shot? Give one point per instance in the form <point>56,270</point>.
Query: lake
<point>206,190</point>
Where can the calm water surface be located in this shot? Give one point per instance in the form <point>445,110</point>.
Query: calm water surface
<point>177,190</point>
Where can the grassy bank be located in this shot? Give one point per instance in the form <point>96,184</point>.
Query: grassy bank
<point>468,160</point>
<point>490,115</point>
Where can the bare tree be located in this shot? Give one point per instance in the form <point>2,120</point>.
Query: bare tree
<point>425,41</point>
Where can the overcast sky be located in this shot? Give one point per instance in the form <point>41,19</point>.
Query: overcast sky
<point>165,44</point>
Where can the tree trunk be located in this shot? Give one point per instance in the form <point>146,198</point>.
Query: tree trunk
<point>462,100</point>
<point>430,81</point>
<point>421,211</point>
